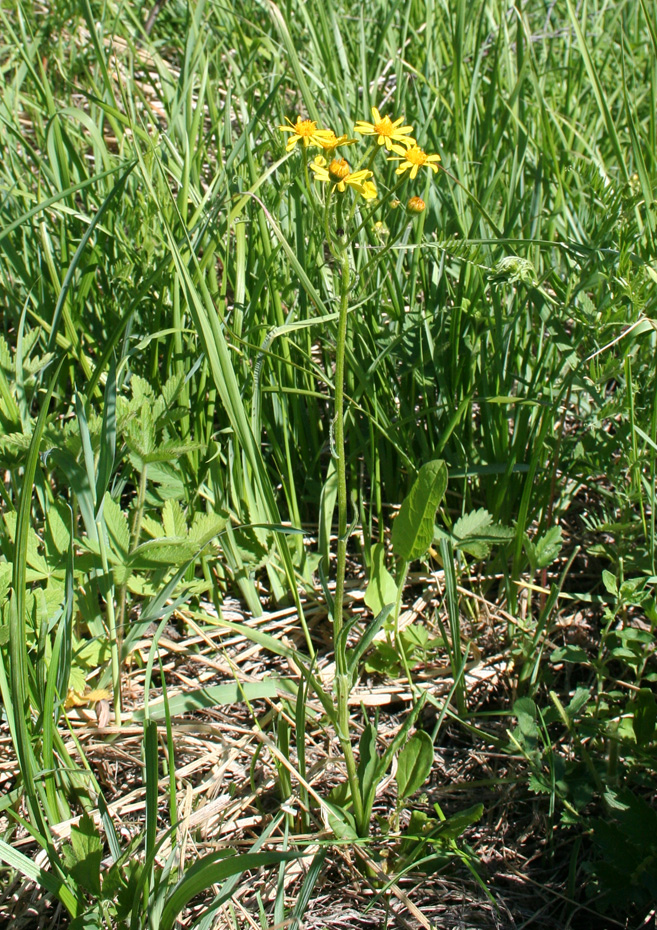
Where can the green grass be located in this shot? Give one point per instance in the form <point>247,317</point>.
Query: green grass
<point>167,373</point>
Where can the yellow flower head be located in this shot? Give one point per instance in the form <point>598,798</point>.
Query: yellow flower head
<point>306,131</point>
<point>339,169</point>
<point>386,130</point>
<point>414,158</point>
<point>415,205</point>
<point>329,141</point>
<point>340,174</point>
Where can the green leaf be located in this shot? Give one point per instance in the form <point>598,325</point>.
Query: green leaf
<point>414,837</point>
<point>412,531</point>
<point>91,920</point>
<point>207,872</point>
<point>472,524</point>
<point>342,822</point>
<point>205,526</point>
<point>383,660</point>
<point>548,547</point>
<point>609,581</point>
<point>525,710</point>
<point>217,696</point>
<point>454,826</point>
<point>369,759</point>
<point>354,655</point>
<point>117,528</point>
<point>87,852</point>
<point>645,717</point>
<point>578,701</point>
<point>569,654</point>
<point>173,519</point>
<point>414,764</point>
<point>475,532</point>
<point>381,589</point>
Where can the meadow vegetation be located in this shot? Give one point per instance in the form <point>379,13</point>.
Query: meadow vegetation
<point>328,433</point>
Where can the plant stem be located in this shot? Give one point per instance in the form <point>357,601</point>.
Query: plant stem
<point>342,678</point>
<point>111,623</point>
<point>134,542</point>
<point>340,451</point>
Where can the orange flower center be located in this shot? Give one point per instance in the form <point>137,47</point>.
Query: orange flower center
<point>384,127</point>
<point>339,169</point>
<point>415,155</point>
<point>305,128</point>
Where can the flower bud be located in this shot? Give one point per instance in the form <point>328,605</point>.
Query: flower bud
<point>415,205</point>
<point>339,169</point>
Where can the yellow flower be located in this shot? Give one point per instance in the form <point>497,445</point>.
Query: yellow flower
<point>367,190</point>
<point>330,141</point>
<point>342,176</point>
<point>415,205</point>
<point>414,158</point>
<point>339,169</point>
<point>306,131</point>
<point>387,131</point>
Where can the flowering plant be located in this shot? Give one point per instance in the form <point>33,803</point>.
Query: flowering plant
<point>342,215</point>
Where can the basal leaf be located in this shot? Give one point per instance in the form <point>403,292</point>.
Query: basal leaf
<point>414,764</point>
<point>412,531</point>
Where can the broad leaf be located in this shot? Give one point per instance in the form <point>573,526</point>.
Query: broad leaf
<point>412,531</point>
<point>414,764</point>
<point>381,589</point>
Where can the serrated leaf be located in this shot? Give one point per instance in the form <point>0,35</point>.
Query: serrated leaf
<point>171,389</point>
<point>414,764</point>
<point>548,547</point>
<point>205,527</point>
<point>5,580</point>
<point>167,550</point>
<point>381,589</point>
<point>59,527</point>
<point>173,519</point>
<point>170,451</point>
<point>472,524</point>
<point>118,530</point>
<point>141,390</point>
<point>166,477</point>
<point>412,530</point>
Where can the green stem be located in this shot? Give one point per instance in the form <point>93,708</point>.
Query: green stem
<point>134,542</point>
<point>340,450</point>
<point>111,623</point>
<point>342,678</point>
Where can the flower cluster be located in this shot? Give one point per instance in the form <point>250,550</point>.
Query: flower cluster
<point>389,133</point>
